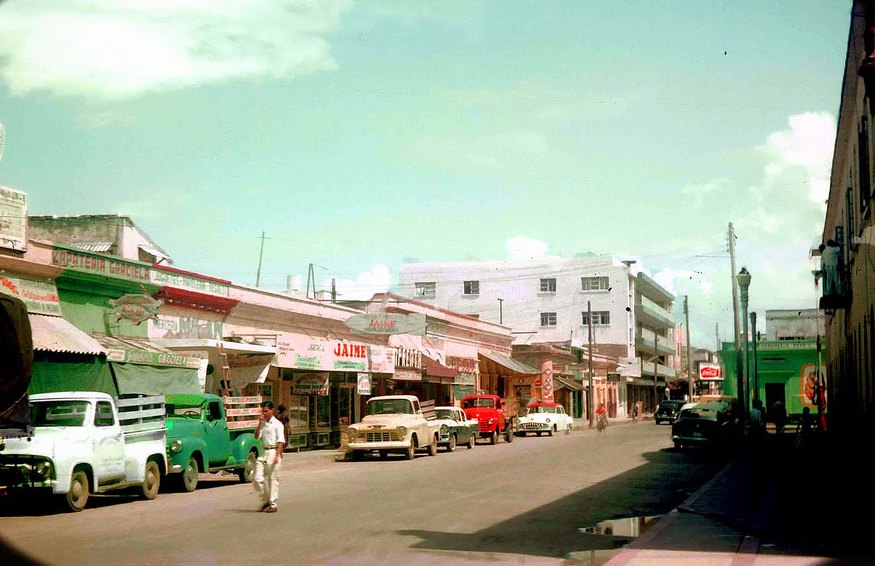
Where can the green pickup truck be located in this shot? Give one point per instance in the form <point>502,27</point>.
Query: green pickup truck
<point>205,435</point>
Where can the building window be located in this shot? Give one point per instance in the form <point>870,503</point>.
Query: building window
<point>599,318</point>
<point>424,289</point>
<point>548,285</point>
<point>548,319</point>
<point>472,287</point>
<point>594,284</point>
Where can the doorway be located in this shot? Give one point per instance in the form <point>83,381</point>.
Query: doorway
<point>774,393</point>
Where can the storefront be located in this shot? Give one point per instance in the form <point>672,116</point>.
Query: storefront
<point>517,382</point>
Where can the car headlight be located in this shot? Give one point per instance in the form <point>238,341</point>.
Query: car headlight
<point>176,446</point>
<point>402,431</point>
<point>490,421</point>
<point>547,420</point>
<point>41,471</point>
<point>445,430</point>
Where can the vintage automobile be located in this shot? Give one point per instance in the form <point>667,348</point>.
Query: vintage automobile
<point>704,424</point>
<point>668,411</point>
<point>393,423</point>
<point>545,417</point>
<point>455,428</point>
<point>490,412</point>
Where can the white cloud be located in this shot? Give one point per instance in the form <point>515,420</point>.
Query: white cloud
<point>522,247</point>
<point>377,280</point>
<point>118,48</point>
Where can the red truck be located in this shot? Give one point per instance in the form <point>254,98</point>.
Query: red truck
<point>491,415</point>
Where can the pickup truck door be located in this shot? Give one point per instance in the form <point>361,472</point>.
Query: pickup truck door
<point>217,434</point>
<point>109,443</point>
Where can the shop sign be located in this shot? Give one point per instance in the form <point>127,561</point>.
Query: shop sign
<point>103,265</point>
<point>192,283</point>
<point>382,359</point>
<point>363,385</point>
<point>40,297</point>
<point>328,355</point>
<point>171,326</point>
<point>310,384</point>
<point>13,219</point>
<point>709,372</point>
<point>135,308</point>
<point>465,379</point>
<point>408,358</point>
<point>808,384</point>
<point>387,323</point>
<point>464,365</point>
<point>146,357</point>
<point>407,375</point>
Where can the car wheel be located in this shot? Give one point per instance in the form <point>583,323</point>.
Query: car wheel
<point>432,448</point>
<point>538,433</point>
<point>77,495</point>
<point>493,438</point>
<point>151,481</point>
<point>550,432</point>
<point>508,434</point>
<point>411,451</point>
<point>357,455</point>
<point>678,445</point>
<point>451,446</point>
<point>472,441</point>
<point>384,454</point>
<point>247,472</point>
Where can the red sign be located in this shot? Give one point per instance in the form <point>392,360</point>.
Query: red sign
<point>709,372</point>
<point>538,382</point>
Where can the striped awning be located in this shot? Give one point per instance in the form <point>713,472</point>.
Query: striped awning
<point>56,334</point>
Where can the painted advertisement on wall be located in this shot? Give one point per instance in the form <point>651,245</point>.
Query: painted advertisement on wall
<point>39,296</point>
<point>302,352</point>
<point>13,219</point>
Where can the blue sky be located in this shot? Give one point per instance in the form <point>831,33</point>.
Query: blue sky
<point>357,135</point>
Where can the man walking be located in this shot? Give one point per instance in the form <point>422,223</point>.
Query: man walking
<point>267,468</point>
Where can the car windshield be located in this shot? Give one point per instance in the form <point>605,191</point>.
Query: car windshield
<point>670,405</point>
<point>443,413</point>
<point>699,412</point>
<point>479,402</point>
<point>533,410</point>
<point>58,413</point>
<point>389,406</point>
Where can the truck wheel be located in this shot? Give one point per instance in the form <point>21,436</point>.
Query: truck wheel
<point>472,440</point>
<point>188,478</point>
<point>411,451</point>
<point>508,434</point>
<point>77,496</point>
<point>451,447</point>
<point>357,455</point>
<point>493,438</point>
<point>550,432</point>
<point>384,454</point>
<point>151,481</point>
<point>432,448</point>
<point>247,472</point>
<point>538,433</point>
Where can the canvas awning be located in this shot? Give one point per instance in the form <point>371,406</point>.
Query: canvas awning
<point>56,334</point>
<point>510,364</point>
<point>141,366</point>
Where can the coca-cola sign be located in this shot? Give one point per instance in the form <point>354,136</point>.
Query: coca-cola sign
<point>709,371</point>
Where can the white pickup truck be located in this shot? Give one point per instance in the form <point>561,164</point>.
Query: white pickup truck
<point>394,423</point>
<point>88,442</point>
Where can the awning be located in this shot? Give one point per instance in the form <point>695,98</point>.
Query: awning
<point>247,363</point>
<point>434,368</point>
<point>509,364</point>
<point>560,382</point>
<point>415,343</point>
<point>55,334</point>
<point>132,350</point>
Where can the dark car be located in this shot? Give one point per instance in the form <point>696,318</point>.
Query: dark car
<point>668,411</point>
<point>703,424</point>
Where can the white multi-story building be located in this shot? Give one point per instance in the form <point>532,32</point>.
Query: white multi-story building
<point>549,301</point>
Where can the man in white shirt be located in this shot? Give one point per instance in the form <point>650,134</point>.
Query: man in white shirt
<point>267,468</point>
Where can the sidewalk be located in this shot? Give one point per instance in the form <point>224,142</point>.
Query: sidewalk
<point>775,505</point>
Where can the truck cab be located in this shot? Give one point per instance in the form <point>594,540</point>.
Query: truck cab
<point>490,412</point>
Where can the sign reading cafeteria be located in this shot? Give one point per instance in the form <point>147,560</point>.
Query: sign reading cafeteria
<point>303,352</point>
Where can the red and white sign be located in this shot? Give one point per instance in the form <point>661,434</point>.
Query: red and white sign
<point>709,372</point>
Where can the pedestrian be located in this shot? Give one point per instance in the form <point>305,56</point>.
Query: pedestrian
<point>635,411</point>
<point>601,415</point>
<point>283,416</point>
<point>757,421</point>
<point>267,467</point>
<point>779,416</point>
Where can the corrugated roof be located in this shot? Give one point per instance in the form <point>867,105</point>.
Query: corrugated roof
<point>55,334</point>
<point>98,247</point>
<point>126,343</point>
<point>510,364</point>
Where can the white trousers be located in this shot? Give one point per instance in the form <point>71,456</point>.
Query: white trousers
<point>267,477</point>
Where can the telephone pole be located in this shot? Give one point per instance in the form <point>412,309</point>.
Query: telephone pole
<point>260,255</point>
<point>591,388</point>
<point>689,364</point>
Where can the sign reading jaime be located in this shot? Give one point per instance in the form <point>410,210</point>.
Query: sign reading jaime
<point>310,384</point>
<point>13,216</point>
<point>302,352</point>
<point>387,323</point>
<point>709,372</point>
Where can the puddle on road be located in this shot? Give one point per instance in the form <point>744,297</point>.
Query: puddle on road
<point>617,533</point>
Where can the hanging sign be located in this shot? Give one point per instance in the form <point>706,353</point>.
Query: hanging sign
<point>363,383</point>
<point>384,323</point>
<point>709,372</point>
<point>310,384</point>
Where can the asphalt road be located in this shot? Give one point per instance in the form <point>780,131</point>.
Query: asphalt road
<point>524,502</point>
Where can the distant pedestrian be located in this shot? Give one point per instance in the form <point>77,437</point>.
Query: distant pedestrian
<point>635,411</point>
<point>601,416</point>
<point>779,416</point>
<point>282,416</point>
<point>267,467</point>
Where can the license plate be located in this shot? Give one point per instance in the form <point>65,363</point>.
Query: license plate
<point>697,435</point>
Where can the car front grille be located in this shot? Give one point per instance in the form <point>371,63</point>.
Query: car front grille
<point>380,436</point>
<point>533,425</point>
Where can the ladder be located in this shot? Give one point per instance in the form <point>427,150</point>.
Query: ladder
<point>225,382</point>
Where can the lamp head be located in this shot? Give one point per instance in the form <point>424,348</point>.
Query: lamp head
<point>743,278</point>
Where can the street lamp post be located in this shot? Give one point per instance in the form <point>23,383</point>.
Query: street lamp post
<point>744,395</point>
<point>755,378</point>
<point>500,311</point>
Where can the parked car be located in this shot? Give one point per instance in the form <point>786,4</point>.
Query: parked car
<point>668,411</point>
<point>455,428</point>
<point>491,414</point>
<point>545,417</point>
<point>393,423</point>
<point>704,424</point>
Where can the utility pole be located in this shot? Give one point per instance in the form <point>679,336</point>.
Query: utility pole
<point>260,254</point>
<point>591,387</point>
<point>689,364</point>
<point>500,311</point>
<point>311,278</point>
<point>655,371</point>
<point>333,290</point>
<point>739,378</point>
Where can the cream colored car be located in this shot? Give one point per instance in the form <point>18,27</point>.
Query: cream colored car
<point>393,423</point>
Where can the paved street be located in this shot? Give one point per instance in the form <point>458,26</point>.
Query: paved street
<point>525,502</point>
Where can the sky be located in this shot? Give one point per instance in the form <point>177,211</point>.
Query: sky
<point>360,135</point>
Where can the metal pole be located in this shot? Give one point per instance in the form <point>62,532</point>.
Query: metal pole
<point>689,364</point>
<point>745,284</point>
<point>591,387</point>
<point>755,382</point>
<point>739,378</point>
<point>500,311</point>
<point>260,254</point>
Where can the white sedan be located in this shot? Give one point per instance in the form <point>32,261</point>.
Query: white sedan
<point>545,417</point>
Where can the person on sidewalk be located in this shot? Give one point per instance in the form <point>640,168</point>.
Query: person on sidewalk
<point>779,417</point>
<point>601,417</point>
<point>267,467</point>
<point>635,411</point>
